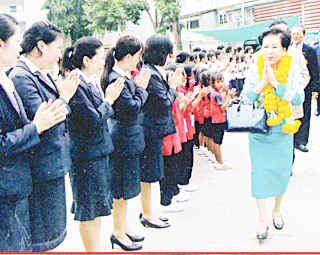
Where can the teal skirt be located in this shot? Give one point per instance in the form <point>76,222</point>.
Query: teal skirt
<point>271,157</point>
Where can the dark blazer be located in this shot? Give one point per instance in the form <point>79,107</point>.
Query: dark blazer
<point>51,158</point>
<point>17,135</point>
<point>88,129</point>
<point>158,121</point>
<point>312,65</point>
<point>126,125</point>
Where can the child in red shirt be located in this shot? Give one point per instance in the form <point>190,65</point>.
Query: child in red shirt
<point>219,100</point>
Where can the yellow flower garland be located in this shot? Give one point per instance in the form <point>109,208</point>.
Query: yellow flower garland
<point>277,108</point>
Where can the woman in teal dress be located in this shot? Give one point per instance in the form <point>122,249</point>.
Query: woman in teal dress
<point>272,153</point>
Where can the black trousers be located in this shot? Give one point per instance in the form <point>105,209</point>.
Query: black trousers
<point>169,183</point>
<point>302,137</point>
<point>186,162</point>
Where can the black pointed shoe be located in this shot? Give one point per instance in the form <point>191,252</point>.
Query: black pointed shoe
<point>131,247</point>
<point>149,224</point>
<point>160,217</point>
<point>263,235</point>
<point>278,225</point>
<point>135,238</point>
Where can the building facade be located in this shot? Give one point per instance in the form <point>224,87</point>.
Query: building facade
<point>25,11</point>
<point>199,15</point>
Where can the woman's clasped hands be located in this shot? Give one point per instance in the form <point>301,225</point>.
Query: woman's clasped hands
<point>114,90</point>
<point>268,76</point>
<point>49,114</point>
<point>142,80</point>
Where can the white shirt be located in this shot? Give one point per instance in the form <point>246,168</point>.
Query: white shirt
<point>33,68</point>
<point>118,70</point>
<point>8,87</point>
<point>298,46</point>
<point>162,71</point>
<point>90,80</point>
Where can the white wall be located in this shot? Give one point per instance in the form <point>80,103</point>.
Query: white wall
<point>143,30</point>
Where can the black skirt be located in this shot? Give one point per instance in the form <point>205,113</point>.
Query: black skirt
<point>91,182</point>
<point>152,169</point>
<point>126,175</point>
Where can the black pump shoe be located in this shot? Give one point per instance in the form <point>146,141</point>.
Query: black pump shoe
<point>278,225</point>
<point>146,223</point>
<point>135,238</point>
<point>131,247</point>
<point>160,217</point>
<point>264,235</point>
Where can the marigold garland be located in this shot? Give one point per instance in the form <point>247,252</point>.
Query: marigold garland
<point>277,108</point>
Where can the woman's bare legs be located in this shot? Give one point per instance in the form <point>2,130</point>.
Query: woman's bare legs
<point>146,202</point>
<point>90,234</point>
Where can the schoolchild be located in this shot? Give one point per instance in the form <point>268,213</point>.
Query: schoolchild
<point>171,149</point>
<point>126,127</point>
<point>18,136</point>
<point>202,114</point>
<point>158,123</point>
<point>91,144</point>
<point>219,100</point>
<point>50,160</point>
<point>186,159</point>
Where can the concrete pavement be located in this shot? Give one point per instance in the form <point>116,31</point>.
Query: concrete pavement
<point>222,216</point>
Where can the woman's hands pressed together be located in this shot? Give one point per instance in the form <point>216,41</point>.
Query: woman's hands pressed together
<point>69,86</point>
<point>142,80</point>
<point>49,114</point>
<point>113,91</point>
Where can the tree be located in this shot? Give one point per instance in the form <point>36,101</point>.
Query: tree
<point>165,17</point>
<point>69,16</point>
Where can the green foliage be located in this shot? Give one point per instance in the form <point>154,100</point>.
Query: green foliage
<point>69,16</point>
<point>83,17</point>
<point>103,14</point>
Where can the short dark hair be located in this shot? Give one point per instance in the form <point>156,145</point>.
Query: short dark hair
<point>301,26</point>
<point>182,57</point>
<point>202,55</point>
<point>73,56</point>
<point>220,47</point>
<point>196,49</point>
<point>158,47</point>
<point>211,54</point>
<point>228,49</point>
<point>216,76</point>
<point>284,36</point>
<point>39,31</point>
<point>7,26</point>
<point>277,22</point>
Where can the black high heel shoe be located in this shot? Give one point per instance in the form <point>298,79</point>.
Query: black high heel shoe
<point>135,238</point>
<point>146,223</point>
<point>160,217</point>
<point>278,225</point>
<point>131,247</point>
<point>263,235</point>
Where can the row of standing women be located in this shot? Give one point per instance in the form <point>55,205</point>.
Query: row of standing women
<point>104,161</point>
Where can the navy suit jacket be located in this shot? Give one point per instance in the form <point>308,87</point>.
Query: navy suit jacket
<point>17,135</point>
<point>88,128</point>
<point>126,125</point>
<point>312,65</point>
<point>51,158</point>
<point>158,121</point>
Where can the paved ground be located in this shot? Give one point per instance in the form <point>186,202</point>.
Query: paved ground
<point>222,217</point>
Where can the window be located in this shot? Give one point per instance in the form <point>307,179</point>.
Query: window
<point>223,19</point>
<point>13,8</point>
<point>194,24</point>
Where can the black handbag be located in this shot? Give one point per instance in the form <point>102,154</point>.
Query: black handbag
<point>244,118</point>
